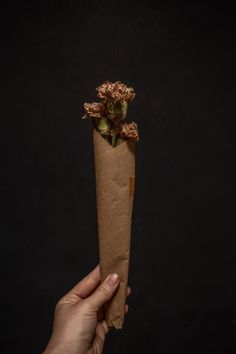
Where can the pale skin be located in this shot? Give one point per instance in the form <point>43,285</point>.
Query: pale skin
<point>76,329</point>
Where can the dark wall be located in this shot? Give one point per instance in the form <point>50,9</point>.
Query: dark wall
<point>181,61</point>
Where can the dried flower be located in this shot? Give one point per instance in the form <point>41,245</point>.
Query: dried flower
<point>129,130</point>
<point>115,91</point>
<point>94,110</point>
<point>108,116</point>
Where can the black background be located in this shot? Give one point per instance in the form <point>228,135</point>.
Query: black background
<point>180,58</point>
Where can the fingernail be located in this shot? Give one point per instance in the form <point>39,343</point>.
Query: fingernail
<point>113,279</point>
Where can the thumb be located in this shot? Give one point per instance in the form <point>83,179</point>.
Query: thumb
<point>104,292</point>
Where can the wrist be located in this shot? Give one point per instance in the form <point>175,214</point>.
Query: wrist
<point>54,349</point>
<point>61,348</point>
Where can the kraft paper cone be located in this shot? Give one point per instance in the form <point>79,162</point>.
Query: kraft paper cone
<point>115,176</point>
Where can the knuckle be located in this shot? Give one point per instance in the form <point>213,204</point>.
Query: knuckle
<point>65,300</point>
<point>58,304</point>
<point>61,302</point>
<point>105,292</point>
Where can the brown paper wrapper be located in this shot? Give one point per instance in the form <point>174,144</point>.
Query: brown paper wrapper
<point>115,176</point>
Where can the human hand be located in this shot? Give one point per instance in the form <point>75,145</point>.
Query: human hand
<point>76,329</point>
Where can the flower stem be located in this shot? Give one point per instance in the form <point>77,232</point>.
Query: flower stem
<point>113,142</point>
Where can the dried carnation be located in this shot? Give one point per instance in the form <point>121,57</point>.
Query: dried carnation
<point>94,110</point>
<point>115,91</point>
<point>129,130</point>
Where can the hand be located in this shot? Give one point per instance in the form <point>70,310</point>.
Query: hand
<point>76,329</point>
